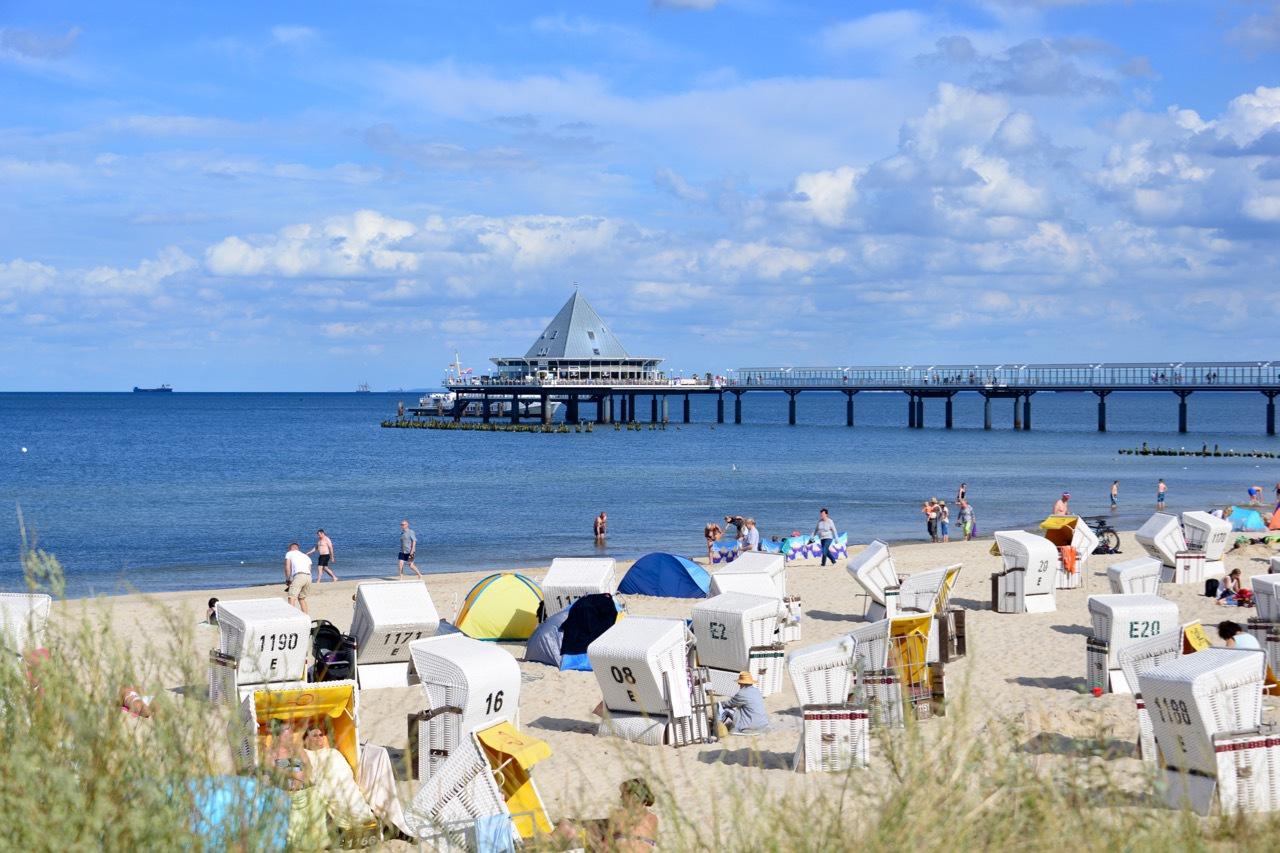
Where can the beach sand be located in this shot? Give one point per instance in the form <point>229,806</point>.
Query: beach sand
<point>1027,670</point>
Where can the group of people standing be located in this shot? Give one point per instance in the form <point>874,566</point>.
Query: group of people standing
<point>937,517</point>
<point>298,575</point>
<point>748,535</point>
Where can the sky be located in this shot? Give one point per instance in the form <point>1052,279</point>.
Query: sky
<point>301,196</point>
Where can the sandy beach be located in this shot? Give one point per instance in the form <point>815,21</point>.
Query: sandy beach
<point>1027,670</point>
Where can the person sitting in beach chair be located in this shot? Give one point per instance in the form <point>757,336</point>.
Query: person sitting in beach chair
<point>744,712</point>
<point>631,826</point>
<point>331,774</point>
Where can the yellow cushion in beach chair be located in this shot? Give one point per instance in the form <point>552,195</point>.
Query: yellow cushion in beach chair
<point>511,754</point>
<point>909,649</point>
<point>337,703</point>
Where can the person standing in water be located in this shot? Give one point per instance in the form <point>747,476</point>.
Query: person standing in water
<point>1115,493</point>
<point>962,493</point>
<point>1162,492</point>
<point>601,527</point>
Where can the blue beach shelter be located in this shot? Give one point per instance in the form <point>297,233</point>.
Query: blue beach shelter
<point>666,576</point>
<point>1244,518</point>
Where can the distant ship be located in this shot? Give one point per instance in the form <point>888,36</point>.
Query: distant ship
<point>363,388</point>
<point>163,389</point>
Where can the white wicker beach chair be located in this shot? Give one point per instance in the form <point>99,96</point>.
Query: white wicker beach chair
<point>758,573</point>
<point>1083,541</point>
<point>23,617</point>
<point>1120,621</point>
<point>1206,712</point>
<point>388,617</point>
<point>874,571</point>
<point>774,565</point>
<point>642,667</point>
<point>467,683</point>
<point>570,578</point>
<point>1265,627</point>
<point>260,641</point>
<point>487,776</point>
<point>1143,656</point>
<point>822,674</point>
<point>728,627</point>
<point>1210,536</point>
<point>1139,575</point>
<point>835,731</point>
<point>892,673</point>
<point>1026,585</point>
<point>1162,537</point>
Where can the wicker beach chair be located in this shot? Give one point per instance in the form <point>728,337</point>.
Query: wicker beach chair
<point>893,675</point>
<point>1265,627</point>
<point>1137,576</point>
<point>835,731</point>
<point>750,562</point>
<point>874,571</point>
<point>728,628</point>
<point>23,617</point>
<point>571,578</point>
<point>759,573</point>
<point>487,778</point>
<point>1143,656</point>
<point>1206,712</point>
<point>651,693</point>
<point>1026,584</point>
<point>260,641</point>
<point>1071,532</point>
<point>1210,536</point>
<point>467,683</point>
<point>1162,538</point>
<point>388,617</point>
<point>1120,621</point>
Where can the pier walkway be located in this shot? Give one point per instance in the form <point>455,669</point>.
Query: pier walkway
<point>611,400</point>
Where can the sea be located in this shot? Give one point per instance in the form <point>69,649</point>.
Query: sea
<point>163,492</point>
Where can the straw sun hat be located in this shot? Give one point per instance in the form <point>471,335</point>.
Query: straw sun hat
<point>746,678</point>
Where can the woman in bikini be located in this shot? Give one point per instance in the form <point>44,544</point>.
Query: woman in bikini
<point>712,533</point>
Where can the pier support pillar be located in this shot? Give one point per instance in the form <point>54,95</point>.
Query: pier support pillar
<point>911,410</point>
<point>720,408</point>
<point>484,408</point>
<point>653,409</point>
<point>515,408</point>
<point>986,412</point>
<point>622,409</point>
<point>686,408</point>
<point>1271,412</point>
<point>1102,410</point>
<point>949,421</point>
<point>791,407</point>
<point>571,412</point>
<point>664,408</point>
<point>601,411</point>
<point>737,407</point>
<point>848,407</point>
<point>1182,409</point>
<point>631,408</point>
<point>1026,412</point>
<point>1017,412</point>
<point>920,411</point>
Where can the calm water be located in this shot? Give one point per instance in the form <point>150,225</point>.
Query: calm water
<point>183,491</point>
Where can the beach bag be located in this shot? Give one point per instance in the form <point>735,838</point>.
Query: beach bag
<point>1211,588</point>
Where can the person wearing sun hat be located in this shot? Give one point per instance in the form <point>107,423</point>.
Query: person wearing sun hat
<point>744,711</point>
<point>1062,507</point>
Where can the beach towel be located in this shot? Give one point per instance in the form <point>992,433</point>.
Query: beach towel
<point>378,784</point>
<point>308,829</point>
<point>1068,559</point>
<point>333,780</point>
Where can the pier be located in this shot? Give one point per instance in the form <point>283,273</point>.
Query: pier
<point>661,400</point>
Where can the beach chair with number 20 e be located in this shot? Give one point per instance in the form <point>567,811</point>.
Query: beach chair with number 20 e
<point>467,683</point>
<point>1026,584</point>
<point>261,641</point>
<point>388,617</point>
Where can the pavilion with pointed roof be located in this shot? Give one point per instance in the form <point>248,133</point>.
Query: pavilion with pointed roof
<point>577,344</point>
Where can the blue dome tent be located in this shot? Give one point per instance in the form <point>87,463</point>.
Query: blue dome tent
<point>666,576</point>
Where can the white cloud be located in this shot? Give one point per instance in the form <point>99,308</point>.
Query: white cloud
<point>824,197</point>
<point>1249,116</point>
<point>879,31</point>
<point>363,244</point>
<point>293,34</point>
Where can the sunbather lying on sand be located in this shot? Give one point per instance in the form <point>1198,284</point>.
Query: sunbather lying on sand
<point>132,700</point>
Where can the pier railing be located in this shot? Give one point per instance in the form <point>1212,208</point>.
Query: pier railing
<point>1153,375</point>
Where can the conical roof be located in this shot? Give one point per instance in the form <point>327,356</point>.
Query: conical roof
<point>576,332</point>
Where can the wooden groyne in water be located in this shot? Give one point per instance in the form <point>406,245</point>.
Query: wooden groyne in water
<point>1203,452</point>
<point>548,429</point>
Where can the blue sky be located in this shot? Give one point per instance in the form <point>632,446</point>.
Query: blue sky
<point>295,196</point>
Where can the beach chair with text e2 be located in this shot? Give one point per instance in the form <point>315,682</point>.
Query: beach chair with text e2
<point>835,733</point>
<point>1026,582</point>
<point>260,641</point>
<point>759,573</point>
<point>650,692</point>
<point>483,796</point>
<point>389,615</point>
<point>1120,621</point>
<point>1206,712</point>
<point>467,683</point>
<point>735,633</point>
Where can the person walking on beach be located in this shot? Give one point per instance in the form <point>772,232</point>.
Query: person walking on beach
<point>1162,491</point>
<point>324,555</point>
<point>826,533</point>
<point>408,549</point>
<point>712,534</point>
<point>1115,493</point>
<point>962,493</point>
<point>601,527</point>
<point>930,510</point>
<point>297,577</point>
<point>1062,506</point>
<point>944,521</point>
<point>966,520</point>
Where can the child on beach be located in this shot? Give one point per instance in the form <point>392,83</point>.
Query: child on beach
<point>945,521</point>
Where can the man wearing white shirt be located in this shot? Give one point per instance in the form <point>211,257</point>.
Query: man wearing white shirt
<point>750,537</point>
<point>297,577</point>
